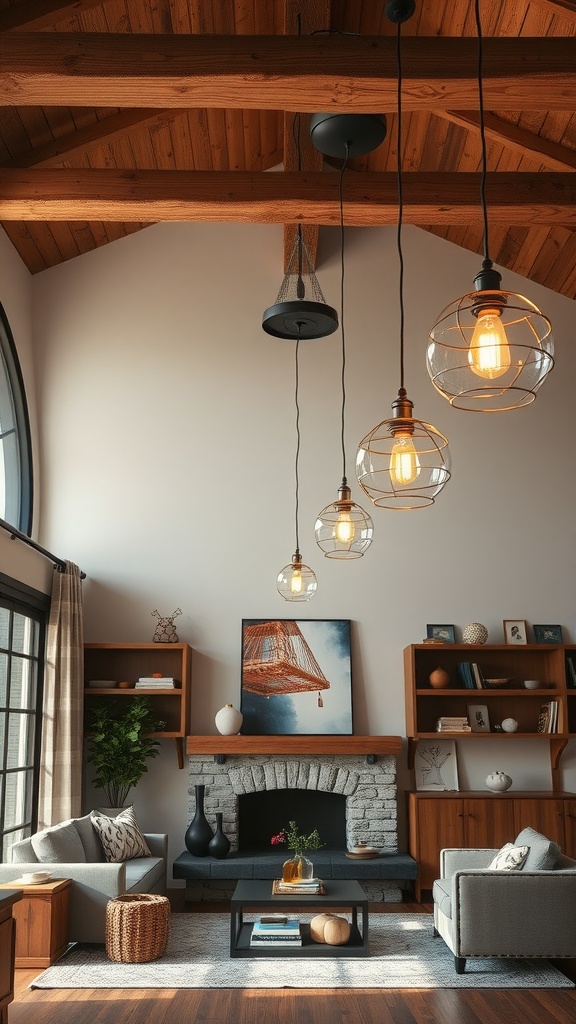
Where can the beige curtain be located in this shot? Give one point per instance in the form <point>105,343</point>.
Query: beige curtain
<point>60,788</point>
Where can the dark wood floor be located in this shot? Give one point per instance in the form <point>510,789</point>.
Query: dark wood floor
<point>292,1006</point>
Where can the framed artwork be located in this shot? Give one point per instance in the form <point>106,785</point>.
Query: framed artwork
<point>296,677</point>
<point>445,633</point>
<point>515,631</point>
<point>478,717</point>
<point>436,765</point>
<point>548,634</point>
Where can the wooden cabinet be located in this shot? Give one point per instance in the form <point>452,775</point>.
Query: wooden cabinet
<point>128,662</point>
<point>544,662</point>
<point>8,899</point>
<point>443,820</point>
<point>41,922</point>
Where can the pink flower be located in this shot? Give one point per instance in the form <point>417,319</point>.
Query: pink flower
<point>276,840</point>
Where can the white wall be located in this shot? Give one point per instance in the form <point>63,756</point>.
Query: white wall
<point>167,457</point>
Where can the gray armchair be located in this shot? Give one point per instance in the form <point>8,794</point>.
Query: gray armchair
<point>523,913</point>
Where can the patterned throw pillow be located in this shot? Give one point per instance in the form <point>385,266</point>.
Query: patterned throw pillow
<point>509,858</point>
<point>121,837</point>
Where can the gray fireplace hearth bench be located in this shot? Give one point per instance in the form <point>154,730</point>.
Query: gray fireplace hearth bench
<point>389,866</point>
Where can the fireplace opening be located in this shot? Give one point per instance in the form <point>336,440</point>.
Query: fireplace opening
<point>264,814</point>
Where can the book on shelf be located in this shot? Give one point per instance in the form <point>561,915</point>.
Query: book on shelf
<point>553,722</point>
<point>478,676</point>
<point>158,683</point>
<point>466,676</point>
<point>571,675</point>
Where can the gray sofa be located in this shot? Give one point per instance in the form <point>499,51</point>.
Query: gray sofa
<point>94,880</point>
<point>519,913</point>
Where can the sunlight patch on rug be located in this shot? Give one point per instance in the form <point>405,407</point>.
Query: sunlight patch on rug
<point>403,954</point>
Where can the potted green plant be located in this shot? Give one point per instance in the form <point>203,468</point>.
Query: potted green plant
<point>119,743</point>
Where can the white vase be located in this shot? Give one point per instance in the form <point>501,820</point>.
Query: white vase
<point>228,720</point>
<point>498,782</point>
<point>509,725</point>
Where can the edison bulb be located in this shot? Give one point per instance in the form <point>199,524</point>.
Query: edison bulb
<point>344,530</point>
<point>296,581</point>
<point>489,353</point>
<point>404,461</point>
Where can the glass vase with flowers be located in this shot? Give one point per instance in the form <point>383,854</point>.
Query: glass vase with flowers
<point>298,868</point>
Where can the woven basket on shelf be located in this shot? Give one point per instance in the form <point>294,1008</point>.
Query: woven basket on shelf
<point>137,926</point>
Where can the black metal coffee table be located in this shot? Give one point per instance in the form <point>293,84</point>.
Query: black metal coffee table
<point>252,896</point>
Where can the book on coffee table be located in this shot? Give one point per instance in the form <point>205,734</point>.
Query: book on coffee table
<point>312,887</point>
<point>284,933</point>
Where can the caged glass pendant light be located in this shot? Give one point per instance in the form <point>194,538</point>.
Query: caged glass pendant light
<point>491,350</point>
<point>296,581</point>
<point>343,529</point>
<point>403,463</point>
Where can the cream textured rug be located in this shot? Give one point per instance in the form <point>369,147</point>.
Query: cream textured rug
<point>403,954</point>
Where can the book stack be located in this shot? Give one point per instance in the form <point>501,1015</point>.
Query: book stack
<point>156,683</point>
<point>471,675</point>
<point>311,887</point>
<point>455,724</point>
<point>571,674</point>
<point>275,930</point>
<point>548,717</point>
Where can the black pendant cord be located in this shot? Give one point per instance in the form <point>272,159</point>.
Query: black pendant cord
<point>482,128</point>
<point>297,441</point>
<point>343,333</point>
<point>400,201</point>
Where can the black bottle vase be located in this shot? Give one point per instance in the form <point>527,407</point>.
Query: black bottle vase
<point>219,845</point>
<point>198,834</point>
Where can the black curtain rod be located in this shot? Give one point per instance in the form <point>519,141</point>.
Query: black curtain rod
<point>59,563</point>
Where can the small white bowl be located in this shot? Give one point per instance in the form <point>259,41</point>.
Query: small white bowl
<point>532,684</point>
<point>35,877</point>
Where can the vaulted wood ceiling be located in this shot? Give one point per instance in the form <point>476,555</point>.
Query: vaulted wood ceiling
<point>120,114</point>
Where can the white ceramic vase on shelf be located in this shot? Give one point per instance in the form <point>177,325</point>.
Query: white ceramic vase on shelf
<point>498,782</point>
<point>229,720</point>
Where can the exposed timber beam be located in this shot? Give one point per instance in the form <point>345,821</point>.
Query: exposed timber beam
<point>35,14</point>
<point>298,73</point>
<point>563,8</point>
<point>551,154</point>
<point>282,198</point>
<point>100,133</point>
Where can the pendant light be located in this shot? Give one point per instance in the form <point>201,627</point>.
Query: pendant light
<point>343,529</point>
<point>296,581</point>
<point>491,350</point>
<point>403,463</point>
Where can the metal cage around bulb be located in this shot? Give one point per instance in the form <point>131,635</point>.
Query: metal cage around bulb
<point>529,352</point>
<point>374,464</point>
<point>343,529</point>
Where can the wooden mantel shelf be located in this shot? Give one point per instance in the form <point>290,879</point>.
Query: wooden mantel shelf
<point>293,744</point>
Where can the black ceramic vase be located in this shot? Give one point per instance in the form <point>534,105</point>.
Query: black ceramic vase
<point>198,834</point>
<point>219,845</point>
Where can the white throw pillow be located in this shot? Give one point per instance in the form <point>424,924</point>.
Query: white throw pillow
<point>121,837</point>
<point>509,858</point>
<point>59,844</point>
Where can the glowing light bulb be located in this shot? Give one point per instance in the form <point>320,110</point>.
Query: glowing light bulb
<point>296,581</point>
<point>344,529</point>
<point>404,461</point>
<point>489,352</point>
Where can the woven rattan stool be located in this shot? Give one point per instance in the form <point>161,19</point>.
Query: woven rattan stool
<point>137,926</point>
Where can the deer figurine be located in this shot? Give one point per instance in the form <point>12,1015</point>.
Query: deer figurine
<point>165,632</point>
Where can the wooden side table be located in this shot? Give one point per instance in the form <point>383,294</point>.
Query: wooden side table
<point>41,921</point>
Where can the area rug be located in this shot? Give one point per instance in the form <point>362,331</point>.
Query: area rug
<point>403,954</point>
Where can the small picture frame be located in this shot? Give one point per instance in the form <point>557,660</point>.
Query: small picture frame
<point>547,634</point>
<point>436,766</point>
<point>444,633</point>
<point>478,717</point>
<point>515,631</point>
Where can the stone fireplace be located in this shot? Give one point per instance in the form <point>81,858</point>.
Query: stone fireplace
<point>367,784</point>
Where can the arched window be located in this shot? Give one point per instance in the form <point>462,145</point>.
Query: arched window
<point>15,445</point>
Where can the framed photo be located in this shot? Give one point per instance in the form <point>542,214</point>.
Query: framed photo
<point>436,765</point>
<point>478,718</point>
<point>547,634</point>
<point>296,677</point>
<point>445,633</point>
<point>515,631</point>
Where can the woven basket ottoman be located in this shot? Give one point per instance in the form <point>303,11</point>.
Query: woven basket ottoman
<point>137,926</point>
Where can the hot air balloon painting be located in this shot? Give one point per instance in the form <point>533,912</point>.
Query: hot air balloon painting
<point>296,676</point>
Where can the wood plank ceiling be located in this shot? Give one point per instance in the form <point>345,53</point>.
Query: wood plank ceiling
<point>119,114</point>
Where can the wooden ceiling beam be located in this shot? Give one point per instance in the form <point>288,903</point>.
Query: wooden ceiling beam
<point>298,73</point>
<point>551,154</point>
<point>563,8</point>
<point>282,198</point>
<point>100,133</point>
<point>35,14</point>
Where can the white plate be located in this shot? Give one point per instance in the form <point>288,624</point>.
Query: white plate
<point>26,880</point>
